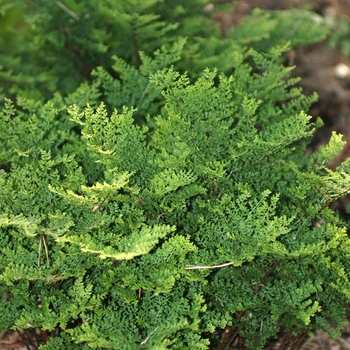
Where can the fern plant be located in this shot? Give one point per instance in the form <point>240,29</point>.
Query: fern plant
<point>162,205</point>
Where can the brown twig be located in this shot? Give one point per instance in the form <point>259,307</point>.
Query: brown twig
<point>229,338</point>
<point>266,275</point>
<point>334,198</point>
<point>292,343</point>
<point>98,206</point>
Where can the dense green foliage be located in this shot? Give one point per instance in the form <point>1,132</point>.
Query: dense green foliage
<point>166,195</point>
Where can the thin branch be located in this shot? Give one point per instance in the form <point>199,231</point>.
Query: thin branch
<point>67,10</point>
<point>334,198</point>
<point>39,252</point>
<point>144,93</point>
<point>222,304</point>
<point>146,340</point>
<point>98,206</point>
<point>41,241</point>
<point>46,250</point>
<point>266,275</point>
<point>196,267</point>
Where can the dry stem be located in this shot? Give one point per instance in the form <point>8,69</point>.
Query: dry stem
<point>196,267</point>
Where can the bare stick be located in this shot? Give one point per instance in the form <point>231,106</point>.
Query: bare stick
<point>46,250</point>
<point>196,267</point>
<point>222,304</point>
<point>69,11</point>
<point>98,206</point>
<point>41,241</point>
<point>39,252</point>
<point>266,275</point>
<point>146,340</point>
